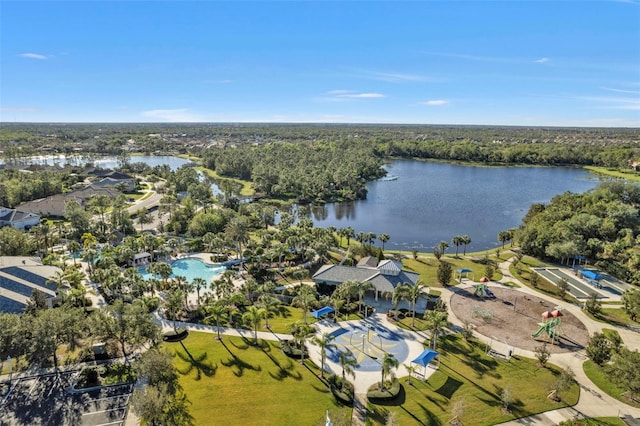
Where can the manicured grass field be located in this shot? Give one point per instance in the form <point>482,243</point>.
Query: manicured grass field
<point>601,379</point>
<point>467,374</point>
<point>427,267</point>
<point>233,382</point>
<point>281,321</point>
<point>613,316</point>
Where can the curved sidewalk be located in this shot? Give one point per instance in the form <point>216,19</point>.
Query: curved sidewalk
<point>592,402</point>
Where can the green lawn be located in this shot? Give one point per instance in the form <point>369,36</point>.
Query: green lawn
<point>613,316</point>
<point>246,185</point>
<point>626,174</point>
<point>281,321</point>
<point>467,375</point>
<point>427,267</point>
<point>523,273</point>
<point>233,382</point>
<point>599,377</point>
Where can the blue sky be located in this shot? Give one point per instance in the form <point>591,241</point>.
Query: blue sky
<point>561,63</point>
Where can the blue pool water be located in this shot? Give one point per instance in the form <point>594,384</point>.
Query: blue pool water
<point>190,268</point>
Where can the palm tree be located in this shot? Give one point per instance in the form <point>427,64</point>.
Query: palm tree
<point>383,238</point>
<point>399,293</point>
<point>361,287</point>
<point>325,343</point>
<point>504,236</point>
<point>270,305</point>
<point>301,332</point>
<point>223,287</point>
<point>349,233</point>
<point>233,303</point>
<point>73,247</point>
<point>173,305</point>
<point>466,240</point>
<point>199,283</point>
<point>457,241</point>
<point>437,321</point>
<point>413,293</point>
<point>253,316</point>
<point>143,217</point>
<point>411,368</point>
<point>443,246</point>
<point>348,363</point>
<point>217,312</point>
<point>305,297</point>
<point>237,230</point>
<point>389,362</point>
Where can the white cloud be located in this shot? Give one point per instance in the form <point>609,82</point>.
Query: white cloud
<point>172,115</point>
<point>435,102</point>
<point>610,89</point>
<point>363,95</point>
<point>542,60</point>
<point>391,77</point>
<point>351,94</point>
<point>34,56</point>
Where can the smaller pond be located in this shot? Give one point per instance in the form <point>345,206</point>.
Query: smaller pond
<point>190,268</point>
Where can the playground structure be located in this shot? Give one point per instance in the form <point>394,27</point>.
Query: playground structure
<point>486,315</point>
<point>482,291</point>
<point>551,325</point>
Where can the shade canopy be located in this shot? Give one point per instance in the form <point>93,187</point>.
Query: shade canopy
<point>464,271</point>
<point>592,275</point>
<point>322,311</point>
<point>425,357</point>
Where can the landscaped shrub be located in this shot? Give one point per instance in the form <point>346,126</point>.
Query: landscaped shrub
<point>175,336</point>
<point>291,349</point>
<point>343,394</point>
<point>391,392</point>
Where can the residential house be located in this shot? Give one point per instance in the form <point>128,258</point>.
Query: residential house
<point>18,219</point>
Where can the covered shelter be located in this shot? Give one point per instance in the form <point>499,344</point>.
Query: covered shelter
<point>322,312</point>
<point>466,273</point>
<point>592,277</point>
<point>425,359</point>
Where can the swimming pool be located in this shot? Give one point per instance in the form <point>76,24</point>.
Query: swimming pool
<point>190,268</point>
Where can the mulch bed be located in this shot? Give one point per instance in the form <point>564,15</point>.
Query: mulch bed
<point>515,317</point>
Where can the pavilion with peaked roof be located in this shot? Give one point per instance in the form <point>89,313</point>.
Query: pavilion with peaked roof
<point>385,276</point>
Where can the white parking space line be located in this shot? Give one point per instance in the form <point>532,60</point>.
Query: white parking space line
<point>108,397</point>
<point>119,422</point>
<point>122,407</point>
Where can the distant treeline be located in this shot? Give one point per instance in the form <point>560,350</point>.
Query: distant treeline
<point>316,163</point>
<point>514,153</point>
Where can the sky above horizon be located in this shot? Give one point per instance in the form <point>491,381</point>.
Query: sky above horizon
<point>532,63</point>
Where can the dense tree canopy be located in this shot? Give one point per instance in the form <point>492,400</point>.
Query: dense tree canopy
<point>602,224</point>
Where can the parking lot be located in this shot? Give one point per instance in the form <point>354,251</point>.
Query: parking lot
<point>45,400</point>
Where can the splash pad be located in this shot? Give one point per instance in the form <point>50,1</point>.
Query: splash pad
<point>368,343</point>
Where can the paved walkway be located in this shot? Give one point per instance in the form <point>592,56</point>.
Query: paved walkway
<point>592,402</point>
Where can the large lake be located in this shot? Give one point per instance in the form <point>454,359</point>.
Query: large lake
<point>432,202</point>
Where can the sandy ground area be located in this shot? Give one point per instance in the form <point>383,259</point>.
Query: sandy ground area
<point>514,317</point>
